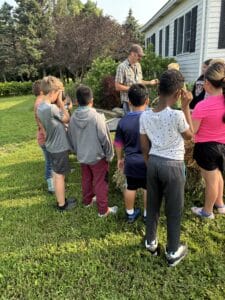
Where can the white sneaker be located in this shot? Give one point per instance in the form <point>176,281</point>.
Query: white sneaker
<point>152,247</point>
<point>173,258</point>
<point>93,201</point>
<point>111,210</point>
<point>200,212</point>
<point>220,210</point>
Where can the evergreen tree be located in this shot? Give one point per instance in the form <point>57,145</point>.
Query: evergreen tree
<point>132,28</point>
<point>7,42</point>
<point>90,7</point>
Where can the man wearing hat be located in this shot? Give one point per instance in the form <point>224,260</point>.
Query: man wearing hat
<point>128,73</point>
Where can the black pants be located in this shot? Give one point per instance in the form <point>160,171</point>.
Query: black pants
<point>165,177</point>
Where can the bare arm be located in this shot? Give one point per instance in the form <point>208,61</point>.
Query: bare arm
<point>145,146</point>
<point>120,159</point>
<point>60,104</point>
<point>186,98</point>
<point>152,82</point>
<point>121,87</point>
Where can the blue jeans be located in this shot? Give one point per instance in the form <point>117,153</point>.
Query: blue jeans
<point>126,108</point>
<point>48,163</point>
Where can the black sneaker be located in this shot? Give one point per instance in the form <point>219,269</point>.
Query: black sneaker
<point>132,218</point>
<point>69,204</point>
<point>173,258</point>
<point>152,247</point>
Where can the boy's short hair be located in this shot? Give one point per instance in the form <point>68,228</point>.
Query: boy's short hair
<point>170,82</point>
<point>50,84</point>
<point>84,95</point>
<point>137,94</point>
<point>36,87</point>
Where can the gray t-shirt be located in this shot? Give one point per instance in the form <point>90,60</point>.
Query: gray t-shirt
<point>56,136</point>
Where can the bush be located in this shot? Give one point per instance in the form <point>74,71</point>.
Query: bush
<point>70,89</point>
<point>15,88</point>
<point>110,98</point>
<point>100,68</point>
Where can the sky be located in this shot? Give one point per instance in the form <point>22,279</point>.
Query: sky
<point>143,10</point>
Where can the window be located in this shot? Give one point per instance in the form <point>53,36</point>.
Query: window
<point>148,41</point>
<point>185,29</point>
<point>221,44</point>
<point>160,41</point>
<point>167,39</point>
<point>187,32</point>
<point>153,42</point>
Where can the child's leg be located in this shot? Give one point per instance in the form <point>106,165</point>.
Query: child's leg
<point>129,199</point>
<point>100,182</point>
<point>219,201</point>
<point>154,199</point>
<point>87,184</point>
<point>145,202</point>
<point>59,183</point>
<point>212,184</point>
<point>173,176</point>
<point>48,169</point>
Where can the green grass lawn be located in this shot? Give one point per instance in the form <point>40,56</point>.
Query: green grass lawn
<point>45,254</point>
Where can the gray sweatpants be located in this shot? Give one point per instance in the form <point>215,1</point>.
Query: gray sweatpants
<point>165,177</point>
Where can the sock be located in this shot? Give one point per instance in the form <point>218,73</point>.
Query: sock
<point>130,211</point>
<point>145,213</point>
<point>219,206</point>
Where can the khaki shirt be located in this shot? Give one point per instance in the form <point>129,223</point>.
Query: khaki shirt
<point>128,75</point>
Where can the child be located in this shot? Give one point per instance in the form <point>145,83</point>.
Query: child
<point>162,132</point>
<point>90,139</point>
<point>53,115</point>
<point>128,139</point>
<point>41,137</point>
<point>198,89</point>
<point>209,151</point>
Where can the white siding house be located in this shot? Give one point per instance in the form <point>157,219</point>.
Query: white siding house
<point>191,31</point>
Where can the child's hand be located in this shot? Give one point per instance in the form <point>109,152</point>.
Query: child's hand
<point>120,165</point>
<point>186,98</point>
<point>154,82</point>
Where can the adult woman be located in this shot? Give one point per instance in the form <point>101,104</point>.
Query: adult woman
<point>198,91</point>
<point>209,128</point>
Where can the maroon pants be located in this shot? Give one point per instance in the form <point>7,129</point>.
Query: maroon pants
<point>95,183</point>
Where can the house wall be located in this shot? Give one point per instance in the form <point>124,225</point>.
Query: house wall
<point>189,62</point>
<point>212,31</point>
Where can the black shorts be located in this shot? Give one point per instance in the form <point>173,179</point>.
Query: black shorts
<point>210,155</point>
<point>135,183</point>
<point>60,162</point>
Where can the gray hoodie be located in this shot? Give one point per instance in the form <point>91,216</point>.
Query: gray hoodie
<point>89,136</point>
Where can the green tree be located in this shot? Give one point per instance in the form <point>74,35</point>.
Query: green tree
<point>67,7</point>
<point>90,7</point>
<point>132,29</point>
<point>7,42</point>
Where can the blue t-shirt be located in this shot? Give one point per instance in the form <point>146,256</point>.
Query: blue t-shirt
<point>128,137</point>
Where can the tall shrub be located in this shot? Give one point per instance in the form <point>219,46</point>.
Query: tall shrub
<point>100,68</point>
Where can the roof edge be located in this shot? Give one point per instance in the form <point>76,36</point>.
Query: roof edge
<point>161,13</point>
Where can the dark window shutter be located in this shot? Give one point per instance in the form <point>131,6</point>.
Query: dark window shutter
<point>194,16</point>
<point>167,39</point>
<point>221,44</point>
<point>160,42</point>
<point>180,35</point>
<point>175,38</point>
<point>153,42</point>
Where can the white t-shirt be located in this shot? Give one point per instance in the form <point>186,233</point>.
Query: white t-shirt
<point>164,130</point>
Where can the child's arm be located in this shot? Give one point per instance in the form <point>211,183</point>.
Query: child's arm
<point>120,159</point>
<point>186,98</point>
<point>66,117</point>
<point>104,138</point>
<point>145,146</point>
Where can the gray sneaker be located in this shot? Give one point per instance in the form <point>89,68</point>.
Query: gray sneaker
<point>69,204</point>
<point>152,247</point>
<point>173,258</point>
<point>111,210</point>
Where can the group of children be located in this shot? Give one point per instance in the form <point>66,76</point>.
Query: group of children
<point>149,145</point>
